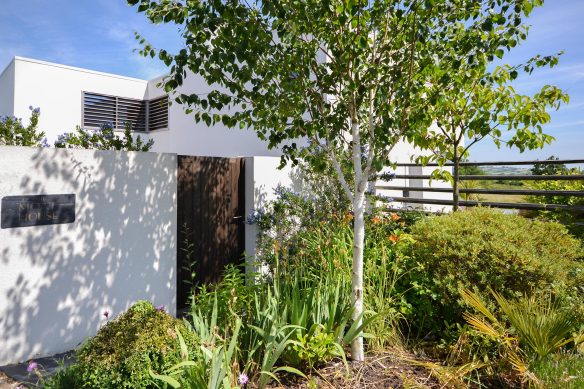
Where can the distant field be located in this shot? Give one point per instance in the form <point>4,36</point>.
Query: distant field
<point>487,184</point>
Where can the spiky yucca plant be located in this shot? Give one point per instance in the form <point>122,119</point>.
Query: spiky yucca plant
<point>541,324</point>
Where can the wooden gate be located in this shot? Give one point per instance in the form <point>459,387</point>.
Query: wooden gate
<point>211,206</point>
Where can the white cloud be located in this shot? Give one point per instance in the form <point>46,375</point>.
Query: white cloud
<point>575,123</point>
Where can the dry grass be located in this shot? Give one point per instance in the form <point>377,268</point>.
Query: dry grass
<point>387,370</point>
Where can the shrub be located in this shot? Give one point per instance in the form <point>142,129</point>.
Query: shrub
<point>572,220</point>
<point>14,133</point>
<point>125,349</point>
<point>482,248</point>
<point>104,138</point>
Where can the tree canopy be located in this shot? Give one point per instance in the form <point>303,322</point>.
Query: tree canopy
<point>347,79</point>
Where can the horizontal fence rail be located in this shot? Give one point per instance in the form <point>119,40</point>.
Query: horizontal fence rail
<point>419,189</point>
<point>532,192</point>
<point>505,163</point>
<point>474,203</point>
<point>497,177</point>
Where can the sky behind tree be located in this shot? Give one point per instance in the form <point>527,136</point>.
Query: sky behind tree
<point>99,35</point>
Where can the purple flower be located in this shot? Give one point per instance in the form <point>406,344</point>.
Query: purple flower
<point>106,313</point>
<point>32,366</point>
<point>255,216</point>
<point>386,176</point>
<point>243,379</point>
<point>160,308</point>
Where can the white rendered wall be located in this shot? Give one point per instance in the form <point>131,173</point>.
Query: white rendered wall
<point>262,176</point>
<point>403,153</point>
<point>7,91</point>
<point>57,91</point>
<point>187,137</point>
<point>56,281</point>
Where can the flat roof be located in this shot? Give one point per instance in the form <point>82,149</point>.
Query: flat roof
<point>73,68</point>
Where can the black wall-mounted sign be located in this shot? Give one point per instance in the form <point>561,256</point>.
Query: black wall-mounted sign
<point>37,210</point>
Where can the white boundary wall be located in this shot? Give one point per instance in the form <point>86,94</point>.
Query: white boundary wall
<point>56,281</point>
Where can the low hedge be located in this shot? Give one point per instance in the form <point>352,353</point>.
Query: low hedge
<point>126,348</point>
<point>482,248</point>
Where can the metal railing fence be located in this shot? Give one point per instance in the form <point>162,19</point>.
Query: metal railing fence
<point>417,189</point>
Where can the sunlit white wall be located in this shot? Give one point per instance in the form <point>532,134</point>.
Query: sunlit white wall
<point>56,281</point>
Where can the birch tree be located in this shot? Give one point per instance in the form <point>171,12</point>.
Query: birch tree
<point>346,78</point>
<point>474,104</point>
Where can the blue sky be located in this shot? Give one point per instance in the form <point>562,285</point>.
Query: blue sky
<point>98,35</point>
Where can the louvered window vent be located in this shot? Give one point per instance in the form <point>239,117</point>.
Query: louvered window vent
<point>119,112</point>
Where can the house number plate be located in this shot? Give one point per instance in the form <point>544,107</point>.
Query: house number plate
<point>37,210</point>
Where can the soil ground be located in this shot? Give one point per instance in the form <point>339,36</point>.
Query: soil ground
<point>383,371</point>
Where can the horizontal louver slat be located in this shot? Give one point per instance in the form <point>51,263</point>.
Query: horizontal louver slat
<point>158,113</point>
<point>98,110</point>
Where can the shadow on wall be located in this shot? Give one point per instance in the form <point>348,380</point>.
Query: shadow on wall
<point>57,281</point>
<point>212,214</point>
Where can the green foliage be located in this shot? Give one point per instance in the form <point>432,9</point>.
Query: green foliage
<point>573,220</point>
<point>64,378</point>
<point>315,347</point>
<point>560,371</point>
<point>542,324</point>
<point>215,369</point>
<point>128,347</point>
<point>386,64</point>
<point>323,244</point>
<point>547,169</point>
<point>104,138</point>
<point>487,323</point>
<point>293,320</point>
<point>472,171</point>
<point>14,133</point>
<point>482,248</point>
<point>233,294</point>
<point>530,329</point>
<point>264,336</point>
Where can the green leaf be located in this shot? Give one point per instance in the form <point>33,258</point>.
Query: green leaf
<point>166,379</point>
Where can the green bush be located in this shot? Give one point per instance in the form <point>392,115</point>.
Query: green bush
<point>14,133</point>
<point>104,138</point>
<point>574,221</point>
<point>482,248</point>
<point>125,349</point>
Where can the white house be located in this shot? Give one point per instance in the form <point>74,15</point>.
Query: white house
<point>70,97</point>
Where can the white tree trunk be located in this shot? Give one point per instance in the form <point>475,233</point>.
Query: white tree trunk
<point>357,352</point>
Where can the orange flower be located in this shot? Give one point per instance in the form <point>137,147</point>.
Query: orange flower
<point>376,220</point>
<point>348,217</point>
<point>394,238</point>
<point>395,216</point>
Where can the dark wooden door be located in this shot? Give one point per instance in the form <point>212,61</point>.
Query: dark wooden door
<point>211,208</point>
